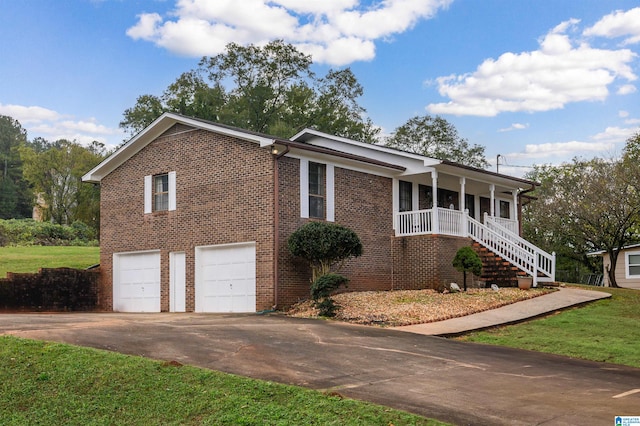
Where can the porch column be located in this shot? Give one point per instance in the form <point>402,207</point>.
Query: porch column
<point>463,216</point>
<point>434,208</point>
<point>514,209</point>
<point>492,190</point>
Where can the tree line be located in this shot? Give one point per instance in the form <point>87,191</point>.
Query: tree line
<point>48,176</point>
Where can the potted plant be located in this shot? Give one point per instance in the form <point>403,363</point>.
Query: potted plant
<point>524,283</point>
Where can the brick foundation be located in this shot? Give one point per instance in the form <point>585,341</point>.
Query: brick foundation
<point>425,261</point>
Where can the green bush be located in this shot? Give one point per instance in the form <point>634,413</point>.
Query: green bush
<point>321,290</point>
<point>24,232</point>
<point>467,260</point>
<point>323,245</point>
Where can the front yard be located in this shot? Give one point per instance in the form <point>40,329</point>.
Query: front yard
<point>406,307</point>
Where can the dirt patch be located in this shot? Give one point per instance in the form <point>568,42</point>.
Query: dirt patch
<point>406,307</point>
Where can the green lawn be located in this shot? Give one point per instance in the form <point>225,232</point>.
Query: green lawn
<point>607,331</point>
<point>51,383</point>
<point>31,258</point>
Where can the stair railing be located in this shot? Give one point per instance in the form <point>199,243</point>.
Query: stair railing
<point>546,263</point>
<point>505,248</point>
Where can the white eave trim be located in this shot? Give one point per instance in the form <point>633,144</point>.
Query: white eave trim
<point>154,130</point>
<point>380,148</point>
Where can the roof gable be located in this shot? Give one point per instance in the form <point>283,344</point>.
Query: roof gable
<point>167,123</point>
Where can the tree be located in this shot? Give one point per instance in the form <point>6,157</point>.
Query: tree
<point>587,205</point>
<point>269,89</point>
<point>467,260</point>
<point>324,245</point>
<point>437,138</point>
<point>15,196</point>
<point>55,172</point>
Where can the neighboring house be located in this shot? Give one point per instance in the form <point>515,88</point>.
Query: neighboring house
<point>627,270</point>
<point>195,216</point>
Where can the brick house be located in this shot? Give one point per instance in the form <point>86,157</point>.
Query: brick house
<point>195,216</point>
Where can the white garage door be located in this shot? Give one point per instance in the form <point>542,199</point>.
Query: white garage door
<point>136,282</point>
<point>226,278</point>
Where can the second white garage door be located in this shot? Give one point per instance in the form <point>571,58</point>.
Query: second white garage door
<point>226,278</point>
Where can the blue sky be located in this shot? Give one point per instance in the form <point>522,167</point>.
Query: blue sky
<point>534,81</point>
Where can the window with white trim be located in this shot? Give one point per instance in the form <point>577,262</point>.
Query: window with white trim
<point>317,183</point>
<point>505,210</point>
<point>405,192</point>
<point>632,264</point>
<point>160,192</point>
<point>317,190</point>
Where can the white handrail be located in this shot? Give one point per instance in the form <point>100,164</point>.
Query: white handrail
<point>546,263</point>
<point>506,249</point>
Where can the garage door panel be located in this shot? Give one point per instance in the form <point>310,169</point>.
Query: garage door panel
<point>136,285</point>
<point>226,278</point>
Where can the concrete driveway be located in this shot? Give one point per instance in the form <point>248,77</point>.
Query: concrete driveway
<point>462,383</point>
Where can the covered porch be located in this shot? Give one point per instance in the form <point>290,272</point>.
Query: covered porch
<point>479,205</point>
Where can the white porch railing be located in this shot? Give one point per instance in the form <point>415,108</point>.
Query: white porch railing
<point>510,224</point>
<point>493,235</point>
<point>545,262</point>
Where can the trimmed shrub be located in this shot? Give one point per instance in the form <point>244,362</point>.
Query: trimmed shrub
<point>324,245</point>
<point>467,260</point>
<point>321,290</point>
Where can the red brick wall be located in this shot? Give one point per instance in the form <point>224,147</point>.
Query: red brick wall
<point>224,195</point>
<point>425,261</point>
<point>362,203</point>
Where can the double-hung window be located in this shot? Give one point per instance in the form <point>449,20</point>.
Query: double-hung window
<point>317,190</point>
<point>632,264</point>
<point>317,187</point>
<point>160,192</point>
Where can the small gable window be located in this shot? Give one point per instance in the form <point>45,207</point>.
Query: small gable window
<point>160,192</point>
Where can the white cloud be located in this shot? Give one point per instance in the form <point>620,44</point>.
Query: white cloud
<point>633,122</point>
<point>561,71</point>
<point>28,114</point>
<point>604,144</point>
<point>52,126</point>
<point>615,134</point>
<point>623,114</point>
<point>627,89</point>
<point>618,24</point>
<point>336,32</point>
<point>560,151</point>
<point>514,126</point>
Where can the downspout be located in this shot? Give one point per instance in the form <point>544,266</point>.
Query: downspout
<point>520,205</point>
<point>276,222</point>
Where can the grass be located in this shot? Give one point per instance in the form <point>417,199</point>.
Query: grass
<point>31,258</point>
<point>607,331</point>
<point>51,383</point>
